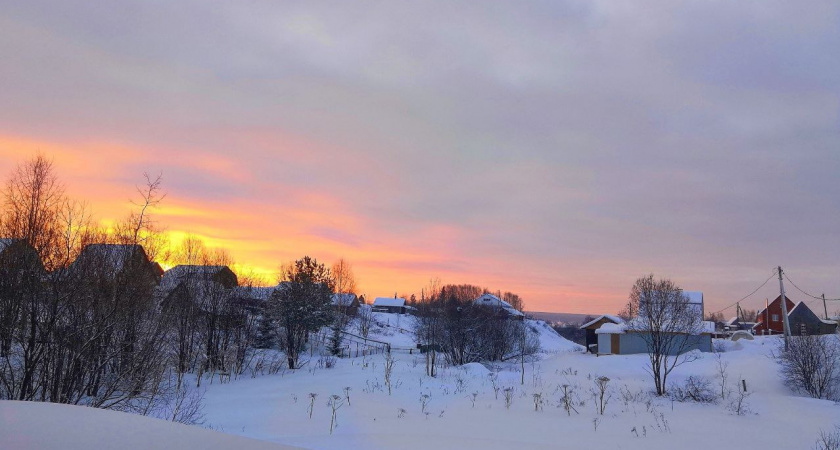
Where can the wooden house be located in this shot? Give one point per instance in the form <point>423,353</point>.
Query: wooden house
<point>594,324</point>
<point>770,319</point>
<point>345,303</point>
<point>390,305</point>
<point>803,321</point>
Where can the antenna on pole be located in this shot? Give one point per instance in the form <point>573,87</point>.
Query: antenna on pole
<point>784,309</point>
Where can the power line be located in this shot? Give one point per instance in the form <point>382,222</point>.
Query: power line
<point>809,295</point>
<point>751,293</point>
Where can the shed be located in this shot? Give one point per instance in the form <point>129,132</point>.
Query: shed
<point>803,321</point>
<point>389,305</point>
<point>345,303</point>
<point>595,324</point>
<point>617,339</point>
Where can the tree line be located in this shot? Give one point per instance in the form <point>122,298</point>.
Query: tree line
<point>88,317</point>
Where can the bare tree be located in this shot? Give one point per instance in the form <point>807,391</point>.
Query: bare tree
<point>661,315</point>
<point>811,365</point>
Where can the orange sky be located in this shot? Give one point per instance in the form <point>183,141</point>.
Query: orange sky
<point>261,236</point>
<point>559,152</point>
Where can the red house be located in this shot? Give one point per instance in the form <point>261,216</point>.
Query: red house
<point>770,319</point>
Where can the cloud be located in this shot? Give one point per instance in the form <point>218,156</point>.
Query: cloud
<point>560,149</point>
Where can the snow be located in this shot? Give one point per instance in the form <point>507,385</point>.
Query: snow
<point>46,426</point>
<point>493,301</point>
<point>387,301</point>
<point>343,299</point>
<point>614,319</point>
<point>462,407</point>
<point>275,408</point>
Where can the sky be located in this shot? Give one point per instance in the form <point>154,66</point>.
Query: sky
<point>557,149</point>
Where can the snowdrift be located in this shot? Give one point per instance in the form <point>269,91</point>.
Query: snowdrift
<point>34,425</point>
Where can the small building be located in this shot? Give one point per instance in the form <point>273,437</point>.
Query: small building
<point>770,319</point>
<point>595,324</point>
<point>803,322</point>
<point>620,339</point>
<point>501,306</point>
<point>389,305</point>
<point>346,303</point>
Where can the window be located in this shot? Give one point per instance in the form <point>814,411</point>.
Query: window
<point>775,317</point>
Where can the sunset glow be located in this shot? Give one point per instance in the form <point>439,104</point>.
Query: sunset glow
<point>481,155</point>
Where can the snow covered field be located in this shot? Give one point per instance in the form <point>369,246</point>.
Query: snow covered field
<point>464,407</point>
<point>275,408</point>
<point>34,425</point>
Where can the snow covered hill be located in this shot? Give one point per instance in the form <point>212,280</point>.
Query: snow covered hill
<point>47,426</point>
<point>470,407</point>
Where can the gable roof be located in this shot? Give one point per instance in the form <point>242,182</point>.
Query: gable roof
<point>343,299</point>
<point>610,317</point>
<point>261,293</point>
<point>111,257</point>
<point>197,277</point>
<point>493,301</point>
<point>5,242</point>
<point>387,301</point>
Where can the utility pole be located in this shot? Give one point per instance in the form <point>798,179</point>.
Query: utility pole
<point>784,309</point>
<point>825,308</point>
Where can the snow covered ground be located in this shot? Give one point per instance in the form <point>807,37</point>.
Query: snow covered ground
<point>48,426</point>
<point>464,407</point>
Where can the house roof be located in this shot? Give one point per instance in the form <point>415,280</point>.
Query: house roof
<point>496,302</point>
<point>612,328</point>
<point>695,297</point>
<point>611,318</point>
<point>195,273</point>
<point>343,299</point>
<point>733,321</point>
<point>704,327</point>
<point>388,301</point>
<point>254,292</point>
<point>5,242</point>
<point>112,256</point>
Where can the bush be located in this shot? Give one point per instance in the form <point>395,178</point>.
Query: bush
<point>811,365</point>
<point>695,389</point>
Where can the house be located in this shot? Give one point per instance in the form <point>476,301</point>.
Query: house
<point>390,305</point>
<point>623,339</point>
<point>803,322</point>
<point>629,337</point>
<point>188,273</point>
<point>206,286</point>
<point>736,324</point>
<point>345,303</point>
<point>113,261</point>
<point>17,254</point>
<point>503,307</point>
<point>253,298</point>
<point>769,320</point>
<point>595,324</point>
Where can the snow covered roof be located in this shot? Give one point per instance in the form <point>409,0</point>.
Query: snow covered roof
<point>611,328</point>
<point>112,257</point>
<point>732,321</point>
<point>695,297</point>
<point>387,301</point>
<point>5,242</point>
<point>174,276</point>
<point>613,319</point>
<point>496,302</point>
<point>344,299</point>
<point>705,327</point>
<point>254,292</point>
